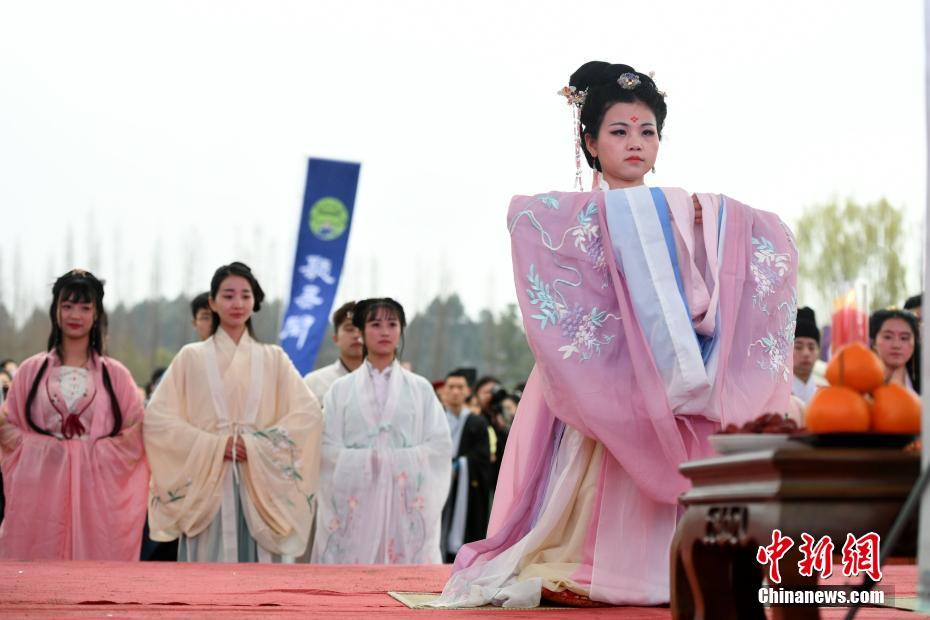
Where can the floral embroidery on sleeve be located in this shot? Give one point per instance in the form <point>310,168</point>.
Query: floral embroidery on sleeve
<point>174,495</point>
<point>550,201</point>
<point>588,240</point>
<point>768,269</point>
<point>582,328</point>
<point>550,309</point>
<point>776,348</point>
<point>285,456</point>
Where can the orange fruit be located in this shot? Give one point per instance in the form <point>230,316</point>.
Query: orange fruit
<point>856,367</point>
<point>837,409</point>
<point>895,410</point>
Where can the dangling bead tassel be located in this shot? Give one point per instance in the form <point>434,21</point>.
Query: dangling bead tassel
<point>595,181</point>
<point>576,126</point>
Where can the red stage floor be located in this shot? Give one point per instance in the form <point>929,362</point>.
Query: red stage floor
<point>131,590</point>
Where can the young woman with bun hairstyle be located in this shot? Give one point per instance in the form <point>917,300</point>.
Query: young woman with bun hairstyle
<point>656,317</point>
<point>73,463</point>
<point>387,454</point>
<point>233,439</point>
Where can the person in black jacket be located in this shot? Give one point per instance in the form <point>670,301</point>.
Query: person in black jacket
<point>465,515</point>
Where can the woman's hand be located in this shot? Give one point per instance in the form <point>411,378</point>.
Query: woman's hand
<point>698,215</point>
<point>239,450</point>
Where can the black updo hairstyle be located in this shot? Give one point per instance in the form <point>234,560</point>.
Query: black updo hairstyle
<point>243,271</point>
<point>369,309</point>
<point>878,319</point>
<point>78,286</point>
<point>600,80</point>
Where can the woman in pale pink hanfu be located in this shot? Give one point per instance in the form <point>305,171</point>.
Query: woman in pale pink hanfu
<point>74,469</point>
<point>655,317</point>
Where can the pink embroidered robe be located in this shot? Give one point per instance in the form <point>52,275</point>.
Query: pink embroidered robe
<point>82,498</point>
<point>649,333</point>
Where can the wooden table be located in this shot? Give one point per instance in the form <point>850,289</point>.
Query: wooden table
<point>737,500</point>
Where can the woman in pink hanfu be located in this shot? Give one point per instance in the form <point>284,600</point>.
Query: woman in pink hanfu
<point>655,317</point>
<point>73,462</point>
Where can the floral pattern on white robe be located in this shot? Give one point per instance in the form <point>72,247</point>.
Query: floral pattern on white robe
<point>385,472</point>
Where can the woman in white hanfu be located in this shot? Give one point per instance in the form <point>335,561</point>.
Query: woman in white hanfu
<point>232,435</point>
<point>387,455</point>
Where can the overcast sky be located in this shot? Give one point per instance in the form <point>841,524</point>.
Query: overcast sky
<point>176,133</point>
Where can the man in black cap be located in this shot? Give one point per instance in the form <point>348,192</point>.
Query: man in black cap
<point>806,354</point>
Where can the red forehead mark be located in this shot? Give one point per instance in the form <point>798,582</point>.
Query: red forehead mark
<point>634,118</point>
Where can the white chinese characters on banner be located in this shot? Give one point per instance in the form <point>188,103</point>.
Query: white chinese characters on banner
<point>297,326</point>
<point>318,267</point>
<point>309,297</point>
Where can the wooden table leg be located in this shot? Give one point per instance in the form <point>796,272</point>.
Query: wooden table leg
<point>714,591</point>
<point>682,597</point>
<point>792,580</point>
<point>747,579</point>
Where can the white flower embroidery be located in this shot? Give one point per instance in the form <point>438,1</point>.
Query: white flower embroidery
<point>768,268</point>
<point>777,346</point>
<point>588,240</point>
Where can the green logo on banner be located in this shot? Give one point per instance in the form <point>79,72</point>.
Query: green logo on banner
<point>328,218</point>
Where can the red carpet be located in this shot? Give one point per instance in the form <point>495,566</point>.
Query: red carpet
<point>131,590</point>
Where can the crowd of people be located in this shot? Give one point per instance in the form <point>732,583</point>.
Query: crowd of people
<point>656,317</point>
<point>241,466</point>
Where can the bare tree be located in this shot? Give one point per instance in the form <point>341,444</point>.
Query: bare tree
<point>19,301</point>
<point>153,318</point>
<point>93,243</point>
<point>69,247</point>
<point>118,275</point>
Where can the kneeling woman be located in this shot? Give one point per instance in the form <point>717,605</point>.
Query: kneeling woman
<point>387,455</point>
<point>73,464</point>
<point>652,328</point>
<point>232,435</point>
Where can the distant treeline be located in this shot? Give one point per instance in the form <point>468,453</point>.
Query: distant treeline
<point>148,334</point>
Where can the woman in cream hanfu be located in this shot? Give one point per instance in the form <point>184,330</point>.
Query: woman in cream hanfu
<point>73,462</point>
<point>655,318</point>
<point>233,438</point>
<point>387,455</point>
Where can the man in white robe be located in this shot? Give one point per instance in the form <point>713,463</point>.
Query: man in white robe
<point>228,510</point>
<point>806,379</point>
<point>348,340</point>
<point>386,468</point>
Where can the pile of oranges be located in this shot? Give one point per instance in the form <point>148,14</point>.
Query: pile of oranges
<point>859,400</point>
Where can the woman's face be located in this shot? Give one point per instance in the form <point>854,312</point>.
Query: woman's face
<point>895,343</point>
<point>382,334</point>
<point>233,302</point>
<point>76,318</point>
<point>626,145</point>
<point>484,394</point>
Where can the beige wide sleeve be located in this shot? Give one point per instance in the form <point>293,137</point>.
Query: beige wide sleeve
<point>186,461</point>
<point>282,472</point>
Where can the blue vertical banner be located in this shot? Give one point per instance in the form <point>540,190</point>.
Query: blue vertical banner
<point>325,220</point>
